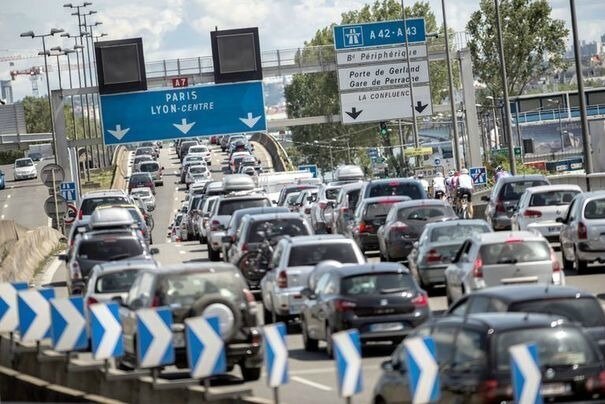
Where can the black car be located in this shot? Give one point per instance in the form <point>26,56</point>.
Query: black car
<point>568,302</point>
<point>474,361</point>
<point>192,290</point>
<point>141,180</point>
<point>381,300</point>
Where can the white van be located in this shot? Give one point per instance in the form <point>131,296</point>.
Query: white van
<point>348,173</point>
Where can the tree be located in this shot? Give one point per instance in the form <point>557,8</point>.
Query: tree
<point>534,43</point>
<point>313,94</point>
<point>37,118</point>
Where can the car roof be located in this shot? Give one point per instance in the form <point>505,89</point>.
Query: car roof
<point>532,292</point>
<point>276,215</point>
<point>116,233</point>
<point>23,158</point>
<point>460,222</point>
<point>352,186</point>
<point>516,178</point>
<point>104,192</point>
<point>117,266</point>
<point>388,180</point>
<point>367,268</point>
<point>420,202</point>
<point>556,187</point>
<point>112,216</point>
<point>503,236</point>
<point>390,198</point>
<point>593,194</point>
<point>213,267</point>
<point>317,238</point>
<point>508,321</point>
<point>260,211</point>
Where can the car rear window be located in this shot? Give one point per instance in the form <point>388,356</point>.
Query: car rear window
<point>585,310</point>
<point>512,191</point>
<point>332,193</point>
<point>556,346</point>
<point>375,210</point>
<point>595,209</point>
<point>312,254</point>
<point>149,167</point>
<point>24,163</point>
<point>456,233</point>
<point>552,198</point>
<point>377,284</point>
<point>108,249</point>
<point>90,204</point>
<point>143,177</point>
<point>227,207</point>
<point>392,188</point>
<point>425,213</point>
<point>198,169</point>
<point>278,227</point>
<point>512,252</point>
<point>353,198</point>
<point>116,282</point>
<point>184,289</point>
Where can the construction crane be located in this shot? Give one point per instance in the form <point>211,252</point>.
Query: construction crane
<point>34,73</point>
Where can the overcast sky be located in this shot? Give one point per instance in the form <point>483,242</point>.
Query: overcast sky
<point>180,28</point>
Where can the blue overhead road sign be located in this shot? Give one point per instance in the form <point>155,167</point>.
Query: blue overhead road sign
<point>205,347</point>
<point>34,313</point>
<point>347,349</point>
<point>154,337</point>
<point>68,324</point>
<point>379,33</point>
<point>526,374</point>
<point>106,331</point>
<point>423,370</point>
<point>184,112</point>
<point>276,354</point>
<point>9,320</point>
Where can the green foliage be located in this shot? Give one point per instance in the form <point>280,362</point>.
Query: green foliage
<point>317,93</point>
<point>9,156</point>
<point>37,118</point>
<point>534,43</point>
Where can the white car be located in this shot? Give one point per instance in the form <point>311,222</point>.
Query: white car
<point>197,172</point>
<point>539,208</point>
<point>24,169</point>
<point>146,196</point>
<point>201,150</point>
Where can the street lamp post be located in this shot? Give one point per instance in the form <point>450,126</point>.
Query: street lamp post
<point>58,51</point>
<point>558,103</point>
<point>30,34</point>
<point>495,122</point>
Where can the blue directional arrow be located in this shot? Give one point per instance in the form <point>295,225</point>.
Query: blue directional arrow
<point>184,112</point>
<point>526,374</point>
<point>347,349</point>
<point>9,320</point>
<point>154,342</point>
<point>68,324</point>
<point>276,354</point>
<point>205,347</point>
<point>106,331</point>
<point>423,370</point>
<point>34,313</point>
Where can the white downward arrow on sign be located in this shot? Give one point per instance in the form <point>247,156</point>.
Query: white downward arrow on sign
<point>184,126</point>
<point>351,354</point>
<point>162,337</point>
<point>428,369</point>
<point>113,331</point>
<point>118,133</point>
<point>75,324</point>
<point>250,121</point>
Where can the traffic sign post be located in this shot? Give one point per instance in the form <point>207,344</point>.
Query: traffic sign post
<point>479,175</point>
<point>154,338</point>
<point>205,347</point>
<point>106,331</point>
<point>183,112</point>
<point>526,374</point>
<point>347,354</point>
<point>422,369</point>
<point>34,314</point>
<point>68,324</point>
<point>276,357</point>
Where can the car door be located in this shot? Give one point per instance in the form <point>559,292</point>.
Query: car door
<point>324,314</point>
<point>468,367</point>
<point>443,334</point>
<point>565,235</point>
<point>312,313</point>
<point>454,272</point>
<point>268,281</point>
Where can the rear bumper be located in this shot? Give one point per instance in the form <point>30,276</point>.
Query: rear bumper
<point>367,241</point>
<point>400,249</point>
<point>288,302</point>
<point>501,222</point>
<point>368,330</point>
<point>549,230</point>
<point>432,275</point>
<point>591,252</point>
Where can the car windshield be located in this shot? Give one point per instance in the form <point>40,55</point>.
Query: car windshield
<point>277,227</point>
<point>556,346</point>
<point>513,190</point>
<point>552,198</point>
<point>332,193</point>
<point>107,249</point>
<point>144,150</point>
<point>184,289</point>
<point>143,177</point>
<point>142,193</point>
<point>424,213</point>
<point>149,167</point>
<point>291,198</point>
<point>392,188</point>
<point>116,282</point>
<point>459,232</point>
<point>90,204</point>
<point>595,209</point>
<point>584,310</point>
<point>192,159</point>
<point>311,254</point>
<point>227,207</point>
<point>380,209</point>
<point>198,169</point>
<point>24,163</point>
<point>511,252</point>
<point>376,284</point>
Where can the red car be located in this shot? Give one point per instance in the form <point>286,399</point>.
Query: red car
<point>214,139</point>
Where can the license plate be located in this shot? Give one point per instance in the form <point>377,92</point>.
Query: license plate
<point>556,389</point>
<point>553,230</point>
<point>295,309</point>
<point>178,339</point>
<point>386,327</point>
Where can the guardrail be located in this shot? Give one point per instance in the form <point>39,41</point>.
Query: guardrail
<point>279,157</point>
<point>558,113</point>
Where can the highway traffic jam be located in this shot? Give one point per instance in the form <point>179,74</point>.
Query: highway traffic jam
<point>353,257</point>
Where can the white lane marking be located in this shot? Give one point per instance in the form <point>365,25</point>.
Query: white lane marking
<point>310,383</point>
<point>183,252</point>
<point>2,217</point>
<point>5,205</point>
<point>8,196</point>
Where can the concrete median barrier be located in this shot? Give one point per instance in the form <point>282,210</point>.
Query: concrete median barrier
<point>281,161</point>
<point>120,162</point>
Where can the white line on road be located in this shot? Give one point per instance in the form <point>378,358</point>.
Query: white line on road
<point>5,205</point>
<point>2,217</point>
<point>8,196</point>
<point>183,252</point>
<point>312,384</point>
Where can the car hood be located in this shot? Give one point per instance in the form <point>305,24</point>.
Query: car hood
<point>25,169</point>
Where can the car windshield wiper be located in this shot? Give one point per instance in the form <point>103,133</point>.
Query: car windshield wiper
<point>393,290</point>
<point>507,261</point>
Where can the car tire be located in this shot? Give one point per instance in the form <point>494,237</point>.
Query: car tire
<point>329,342</point>
<point>579,264</point>
<point>250,374</point>
<point>267,316</point>
<point>448,296</point>
<point>214,256</point>
<point>204,302</point>
<point>568,265</point>
<point>310,344</point>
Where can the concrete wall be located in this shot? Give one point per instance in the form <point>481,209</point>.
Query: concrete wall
<point>120,160</point>
<point>280,159</point>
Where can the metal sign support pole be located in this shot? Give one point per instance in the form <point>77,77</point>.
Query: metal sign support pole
<point>55,198</point>
<point>407,56</point>
<point>276,395</point>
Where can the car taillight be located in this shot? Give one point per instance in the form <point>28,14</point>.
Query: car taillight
<point>556,265</point>
<point>478,268</point>
<point>282,280</point>
<point>343,305</point>
<point>365,228</point>
<point>500,207</point>
<point>596,383</point>
<point>399,226</point>
<point>91,300</point>
<point>214,225</point>
<point>322,205</point>
<point>75,271</point>
<point>344,209</point>
<point>80,214</point>
<point>433,256</point>
<point>422,300</point>
<point>488,389</point>
<point>582,231</point>
<point>532,213</point>
<point>155,302</point>
<point>245,247</point>
<point>249,296</point>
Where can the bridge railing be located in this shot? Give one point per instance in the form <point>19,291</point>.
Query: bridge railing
<point>558,113</point>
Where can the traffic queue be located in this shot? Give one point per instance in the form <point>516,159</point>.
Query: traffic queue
<point>302,252</point>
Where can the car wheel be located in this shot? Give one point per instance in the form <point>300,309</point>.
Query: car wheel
<point>267,316</point>
<point>448,296</point>
<point>579,264</point>
<point>250,374</point>
<point>567,264</point>
<point>329,342</point>
<point>213,255</point>
<point>309,343</point>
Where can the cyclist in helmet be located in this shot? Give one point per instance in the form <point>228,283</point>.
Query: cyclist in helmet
<point>439,188</point>
<point>423,182</point>
<point>464,187</point>
<point>500,173</point>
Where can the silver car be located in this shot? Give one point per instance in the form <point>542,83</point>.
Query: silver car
<point>540,207</point>
<point>293,260</point>
<point>437,246</point>
<point>503,258</point>
<point>583,231</point>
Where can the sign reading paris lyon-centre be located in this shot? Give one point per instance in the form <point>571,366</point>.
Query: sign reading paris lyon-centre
<point>374,78</point>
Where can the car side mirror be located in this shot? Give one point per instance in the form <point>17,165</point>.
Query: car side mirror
<point>154,251</point>
<point>308,293</point>
<point>63,257</point>
<point>560,220</point>
<point>274,202</point>
<point>226,239</point>
<point>151,208</point>
<point>163,168</point>
<point>389,366</point>
<point>485,198</point>
<point>136,304</point>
